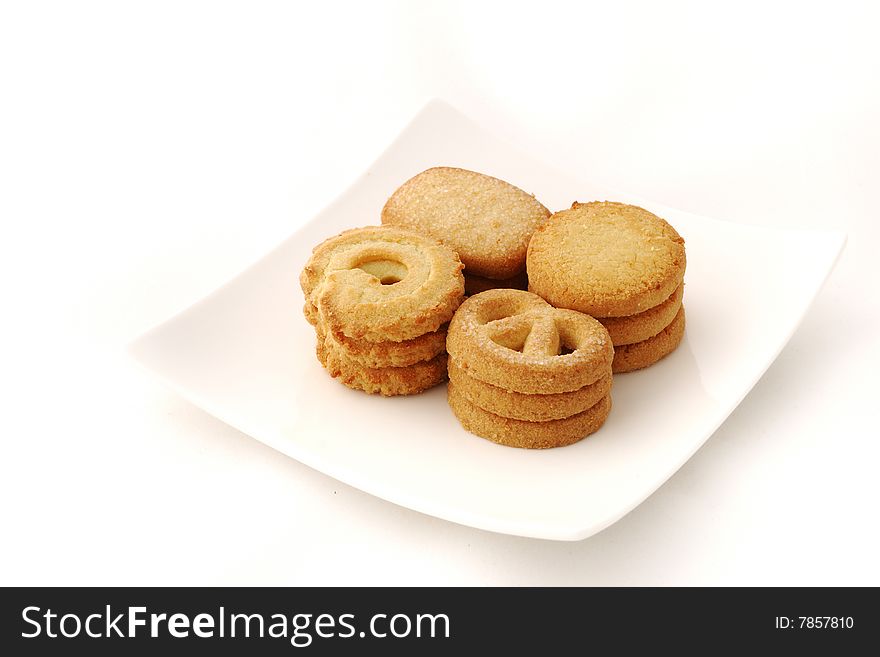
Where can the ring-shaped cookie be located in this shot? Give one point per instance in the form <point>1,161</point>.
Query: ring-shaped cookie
<point>382,283</point>
<point>389,354</point>
<point>386,381</point>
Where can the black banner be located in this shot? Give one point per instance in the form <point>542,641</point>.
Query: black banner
<point>113,621</point>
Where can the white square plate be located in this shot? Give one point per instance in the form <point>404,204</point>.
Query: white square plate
<point>246,355</point>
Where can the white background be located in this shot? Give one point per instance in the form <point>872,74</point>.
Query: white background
<point>149,151</point>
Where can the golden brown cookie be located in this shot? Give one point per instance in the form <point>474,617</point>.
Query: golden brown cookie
<point>643,325</point>
<point>382,283</point>
<point>635,356</point>
<point>519,406</point>
<point>487,221</point>
<point>474,284</point>
<point>389,354</point>
<point>387,381</point>
<point>311,313</point>
<point>605,259</point>
<point>517,341</point>
<point>521,433</point>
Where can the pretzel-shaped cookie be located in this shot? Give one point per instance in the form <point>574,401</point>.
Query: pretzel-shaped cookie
<point>518,341</point>
<point>382,283</point>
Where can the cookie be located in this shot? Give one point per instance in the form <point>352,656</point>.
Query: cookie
<point>521,433</point>
<point>390,354</point>
<point>387,381</point>
<point>487,221</point>
<point>382,283</point>
<point>647,352</point>
<point>643,325</point>
<point>605,259</point>
<point>474,284</point>
<point>311,313</point>
<point>519,406</point>
<point>517,341</point>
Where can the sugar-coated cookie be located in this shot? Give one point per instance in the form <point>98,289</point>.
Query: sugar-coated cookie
<point>517,341</point>
<point>487,221</point>
<point>605,259</point>
<point>643,325</point>
<point>521,433</point>
<point>519,406</point>
<point>382,283</point>
<point>635,356</point>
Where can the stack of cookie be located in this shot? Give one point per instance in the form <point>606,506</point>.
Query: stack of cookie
<point>380,298</point>
<point>525,374</point>
<point>487,221</point>
<point>621,264</point>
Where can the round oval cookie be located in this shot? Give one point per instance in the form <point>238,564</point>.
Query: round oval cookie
<point>517,341</point>
<point>641,326</point>
<point>605,259</point>
<point>382,283</point>
<point>638,355</point>
<point>487,221</point>
<point>519,406</point>
<point>530,435</point>
<point>387,381</point>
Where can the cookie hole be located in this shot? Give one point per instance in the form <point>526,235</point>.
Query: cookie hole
<point>501,310</point>
<point>513,339</point>
<point>388,272</point>
<point>513,346</point>
<point>568,340</point>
